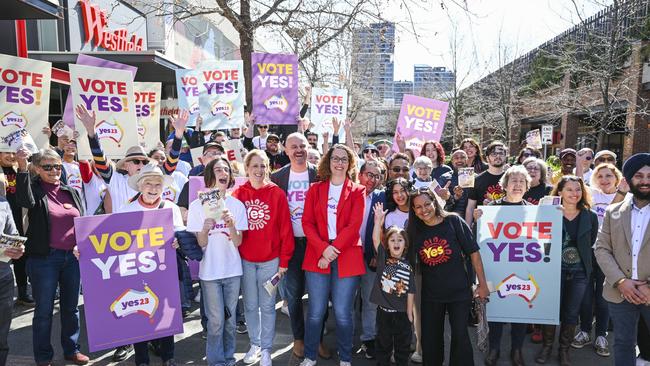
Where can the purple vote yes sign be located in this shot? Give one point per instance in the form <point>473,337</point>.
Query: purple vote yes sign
<point>275,88</point>
<point>130,278</point>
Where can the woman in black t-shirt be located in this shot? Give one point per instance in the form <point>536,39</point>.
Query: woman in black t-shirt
<point>539,186</point>
<point>579,232</point>
<point>515,182</point>
<point>440,243</point>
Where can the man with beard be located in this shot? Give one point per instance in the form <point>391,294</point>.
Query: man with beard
<point>277,158</point>
<point>486,185</point>
<point>568,162</point>
<point>623,253</point>
<point>312,138</point>
<point>399,167</point>
<point>295,179</point>
<point>457,201</point>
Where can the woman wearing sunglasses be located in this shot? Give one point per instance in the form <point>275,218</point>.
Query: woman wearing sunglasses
<point>52,207</point>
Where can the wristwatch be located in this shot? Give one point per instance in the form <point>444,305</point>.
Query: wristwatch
<point>617,283</point>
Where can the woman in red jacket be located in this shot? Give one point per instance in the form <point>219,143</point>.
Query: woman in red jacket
<point>333,260</point>
<point>265,250</point>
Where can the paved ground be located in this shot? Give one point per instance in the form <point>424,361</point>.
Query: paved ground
<point>190,348</point>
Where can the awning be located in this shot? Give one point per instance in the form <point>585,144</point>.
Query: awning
<point>152,65</point>
<point>30,9</point>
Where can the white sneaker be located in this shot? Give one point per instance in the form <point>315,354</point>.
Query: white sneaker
<point>580,340</point>
<point>265,360</point>
<point>285,309</point>
<point>308,362</point>
<point>197,298</point>
<point>416,357</point>
<point>343,363</point>
<point>252,355</point>
<point>601,346</point>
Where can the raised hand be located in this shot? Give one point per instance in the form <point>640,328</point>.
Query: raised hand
<point>458,192</point>
<point>347,125</point>
<point>336,125</point>
<point>89,120</point>
<point>380,213</point>
<point>21,158</point>
<point>444,191</point>
<point>179,122</point>
<point>401,143</point>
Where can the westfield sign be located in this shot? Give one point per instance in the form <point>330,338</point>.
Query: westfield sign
<point>95,28</point>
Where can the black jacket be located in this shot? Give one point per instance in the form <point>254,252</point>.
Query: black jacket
<point>281,176</point>
<point>30,196</point>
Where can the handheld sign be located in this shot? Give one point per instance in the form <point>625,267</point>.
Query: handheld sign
<point>275,88</point>
<point>420,120</point>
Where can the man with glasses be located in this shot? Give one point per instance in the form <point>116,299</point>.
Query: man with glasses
<point>584,158</point>
<point>260,141</point>
<point>369,177</point>
<point>486,185</point>
<point>277,158</point>
<point>399,167</point>
<point>604,156</point>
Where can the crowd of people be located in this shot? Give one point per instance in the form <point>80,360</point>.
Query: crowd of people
<point>335,222</point>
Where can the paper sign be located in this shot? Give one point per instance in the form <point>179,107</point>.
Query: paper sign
<point>10,241</point>
<point>275,88</point>
<point>147,112</point>
<point>521,250</point>
<point>533,139</point>
<point>328,103</point>
<point>109,93</point>
<point>24,96</point>
<point>188,90</point>
<point>466,177</point>
<point>213,203</point>
<point>127,264</point>
<point>222,94</point>
<point>420,120</point>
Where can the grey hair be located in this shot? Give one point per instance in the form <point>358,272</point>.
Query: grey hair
<point>423,160</point>
<point>543,168</point>
<point>513,170</point>
<point>45,154</point>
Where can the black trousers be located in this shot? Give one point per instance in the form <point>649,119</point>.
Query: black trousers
<point>19,271</point>
<point>393,333</point>
<point>433,333</point>
<point>6,308</point>
<point>643,340</point>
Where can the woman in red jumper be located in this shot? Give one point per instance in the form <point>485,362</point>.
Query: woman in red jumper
<point>333,261</point>
<point>265,250</point>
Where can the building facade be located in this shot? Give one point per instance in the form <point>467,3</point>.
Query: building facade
<point>373,50</point>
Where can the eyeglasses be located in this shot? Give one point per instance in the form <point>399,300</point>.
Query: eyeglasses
<point>368,151</point>
<point>139,161</point>
<point>400,169</point>
<point>532,168</point>
<point>526,155</point>
<point>372,175</point>
<point>606,159</point>
<point>336,159</point>
<point>221,170</point>
<point>210,154</point>
<point>498,153</point>
<point>49,167</point>
<point>262,127</point>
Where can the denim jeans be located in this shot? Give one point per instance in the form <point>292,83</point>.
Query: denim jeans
<point>259,306</point>
<point>45,272</point>
<point>342,290</point>
<point>594,293</point>
<point>6,308</point>
<point>368,309</point>
<point>219,295</point>
<point>573,290</point>
<point>517,335</point>
<point>166,349</point>
<point>625,316</point>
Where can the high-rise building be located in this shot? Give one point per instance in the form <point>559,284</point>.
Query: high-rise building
<point>373,50</point>
<point>400,88</point>
<point>432,82</point>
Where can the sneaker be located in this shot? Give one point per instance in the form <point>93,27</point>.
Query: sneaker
<point>580,340</point>
<point>308,362</point>
<point>122,353</point>
<point>601,346</point>
<point>252,355</point>
<point>265,359</point>
<point>369,348</point>
<point>285,308</point>
<point>537,336</point>
<point>344,363</point>
<point>416,357</point>
<point>241,328</point>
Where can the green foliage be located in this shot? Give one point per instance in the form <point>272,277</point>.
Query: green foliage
<point>545,71</point>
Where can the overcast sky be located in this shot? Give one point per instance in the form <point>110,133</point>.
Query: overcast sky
<point>522,25</point>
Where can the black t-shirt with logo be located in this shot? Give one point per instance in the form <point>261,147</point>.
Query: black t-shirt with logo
<point>535,194</point>
<point>16,211</point>
<point>440,252</point>
<point>394,281</point>
<point>486,187</point>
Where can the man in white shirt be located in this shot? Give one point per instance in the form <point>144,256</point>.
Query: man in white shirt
<point>623,253</point>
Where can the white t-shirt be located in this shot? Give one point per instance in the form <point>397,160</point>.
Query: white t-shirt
<point>586,176</point>
<point>396,218</point>
<point>600,202</point>
<point>220,257</point>
<point>172,192</point>
<point>95,190</point>
<point>296,193</point>
<point>74,176</point>
<point>417,183</point>
<point>120,191</point>
<point>259,142</point>
<point>183,167</point>
<point>333,196</point>
<point>176,212</point>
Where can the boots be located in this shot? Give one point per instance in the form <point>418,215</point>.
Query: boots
<point>567,332</point>
<point>548,336</point>
<point>24,297</point>
<point>516,357</point>
<point>299,348</point>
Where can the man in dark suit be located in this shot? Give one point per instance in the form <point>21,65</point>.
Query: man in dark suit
<point>295,179</point>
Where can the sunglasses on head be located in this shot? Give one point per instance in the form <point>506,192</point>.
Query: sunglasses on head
<point>49,167</point>
<point>139,161</point>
